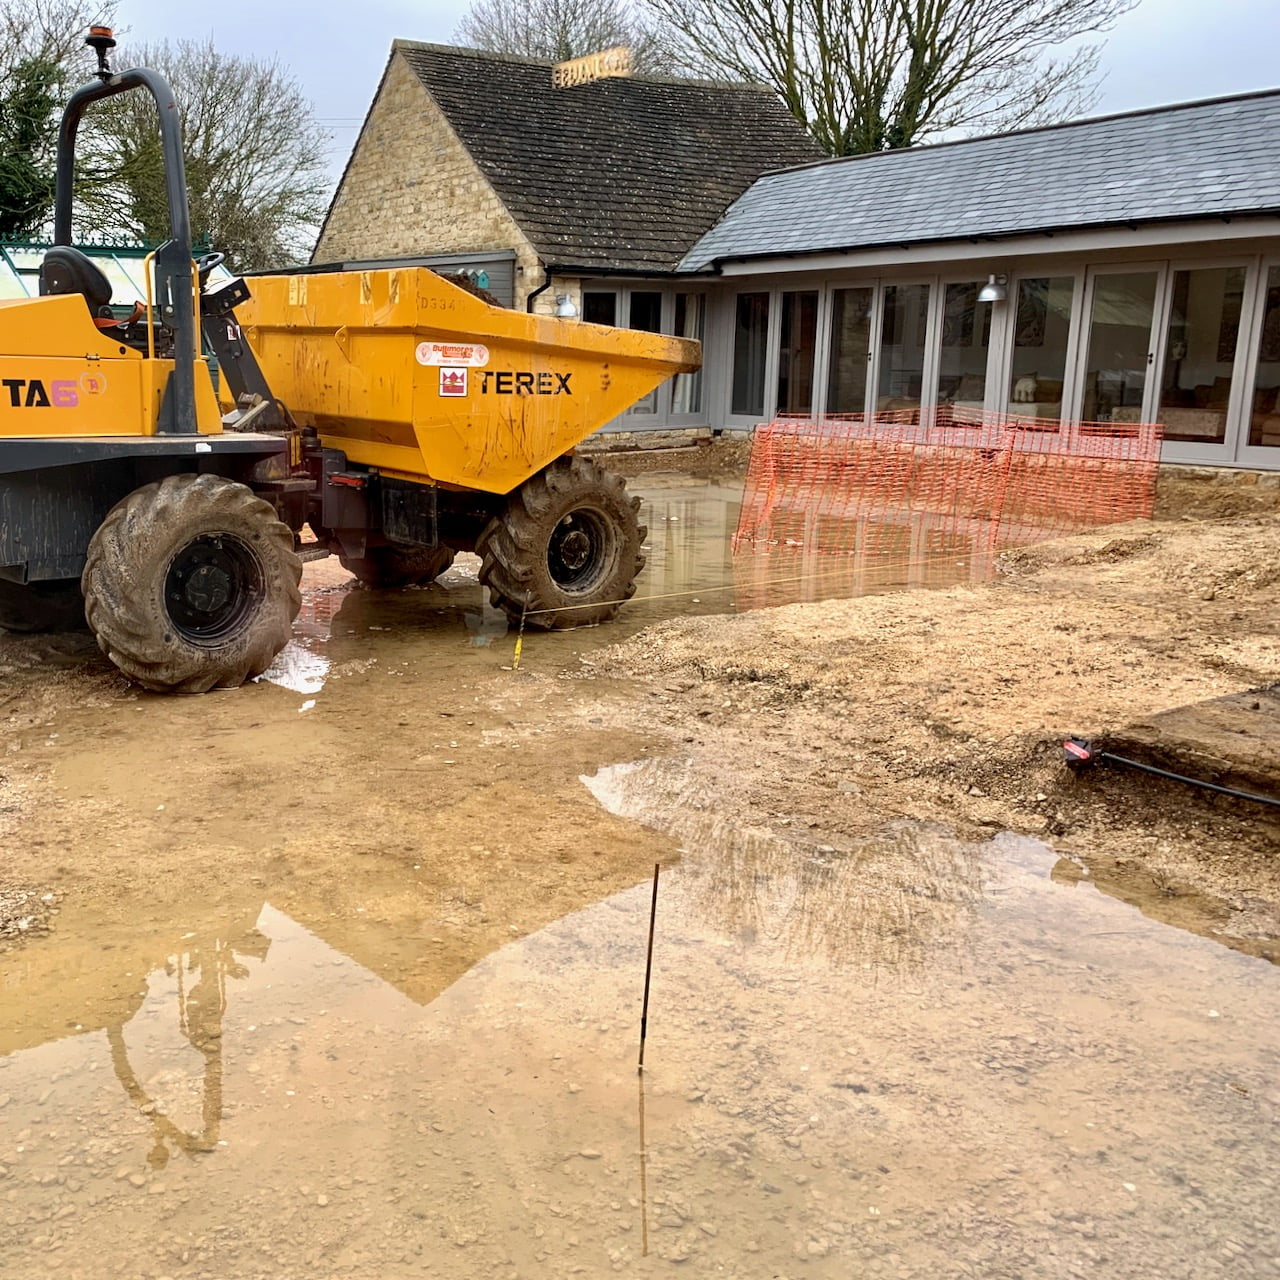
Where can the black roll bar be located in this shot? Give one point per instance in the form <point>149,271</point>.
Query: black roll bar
<point>173,258</point>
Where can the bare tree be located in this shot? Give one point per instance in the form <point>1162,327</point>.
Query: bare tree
<point>51,30</point>
<point>865,75</point>
<point>255,157</point>
<point>563,29</point>
<point>38,43</point>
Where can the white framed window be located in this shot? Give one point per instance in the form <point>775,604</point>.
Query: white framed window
<point>1117,348</point>
<point>1259,377</point>
<point>689,322</point>
<point>1035,379</point>
<point>752,311</point>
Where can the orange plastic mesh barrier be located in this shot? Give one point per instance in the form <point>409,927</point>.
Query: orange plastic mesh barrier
<point>915,503</point>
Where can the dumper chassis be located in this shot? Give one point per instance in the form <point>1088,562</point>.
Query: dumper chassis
<point>395,416</point>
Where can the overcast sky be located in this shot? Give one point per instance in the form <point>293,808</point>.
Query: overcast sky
<point>1164,51</point>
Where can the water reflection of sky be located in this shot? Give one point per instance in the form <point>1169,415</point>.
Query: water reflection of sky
<point>1080,1059</point>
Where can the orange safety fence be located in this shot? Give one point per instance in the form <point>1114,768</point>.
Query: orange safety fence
<point>915,502</point>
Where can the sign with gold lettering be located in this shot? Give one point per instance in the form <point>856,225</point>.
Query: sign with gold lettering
<point>595,66</point>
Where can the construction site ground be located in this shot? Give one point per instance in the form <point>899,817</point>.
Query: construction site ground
<point>339,974</point>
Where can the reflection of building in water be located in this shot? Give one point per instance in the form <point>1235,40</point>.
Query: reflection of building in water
<point>690,530</point>
<point>857,504</point>
<point>892,899</point>
<point>319,607</point>
<point>808,556</point>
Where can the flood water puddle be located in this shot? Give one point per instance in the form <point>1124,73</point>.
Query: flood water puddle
<point>361,995</point>
<point>849,1071</point>
<point>691,568</point>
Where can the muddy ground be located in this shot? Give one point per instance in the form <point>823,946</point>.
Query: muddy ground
<point>951,706</point>
<point>1159,639</point>
<point>417,1056</point>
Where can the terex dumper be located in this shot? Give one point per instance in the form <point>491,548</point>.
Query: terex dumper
<point>397,415</point>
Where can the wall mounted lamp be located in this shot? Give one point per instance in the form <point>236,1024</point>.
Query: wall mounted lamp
<point>995,290</point>
<point>565,308</point>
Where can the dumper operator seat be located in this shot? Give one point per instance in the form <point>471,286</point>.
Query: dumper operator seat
<point>67,270</point>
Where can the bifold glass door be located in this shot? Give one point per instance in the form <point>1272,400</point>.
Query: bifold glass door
<point>644,311</point>
<point>797,348</point>
<point>1201,344</point>
<point>1042,311</point>
<point>750,347</point>
<point>962,356</point>
<point>849,350</point>
<point>1262,410</point>
<point>1120,346</point>
<point>904,331</point>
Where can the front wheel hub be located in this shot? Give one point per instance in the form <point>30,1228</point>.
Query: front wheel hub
<point>575,550</point>
<point>579,550</point>
<point>211,588</point>
<point>207,589</point>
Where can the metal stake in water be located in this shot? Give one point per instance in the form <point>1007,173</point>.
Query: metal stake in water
<point>648,966</point>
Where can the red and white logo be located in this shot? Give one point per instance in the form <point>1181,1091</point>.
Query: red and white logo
<point>474,354</point>
<point>453,382</point>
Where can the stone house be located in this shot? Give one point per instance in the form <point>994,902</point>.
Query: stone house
<point>479,162</point>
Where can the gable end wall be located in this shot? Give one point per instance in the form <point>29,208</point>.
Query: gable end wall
<point>412,188</point>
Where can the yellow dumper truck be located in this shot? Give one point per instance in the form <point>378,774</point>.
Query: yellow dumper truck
<point>397,415</point>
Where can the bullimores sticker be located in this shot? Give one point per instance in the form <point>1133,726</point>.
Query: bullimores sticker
<point>460,354</point>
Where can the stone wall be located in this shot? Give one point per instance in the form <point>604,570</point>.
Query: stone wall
<point>412,188</point>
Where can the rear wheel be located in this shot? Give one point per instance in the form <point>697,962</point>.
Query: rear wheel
<point>41,606</point>
<point>395,567</point>
<point>192,584</point>
<point>566,550</point>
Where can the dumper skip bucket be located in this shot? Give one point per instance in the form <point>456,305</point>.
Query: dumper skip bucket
<point>408,373</point>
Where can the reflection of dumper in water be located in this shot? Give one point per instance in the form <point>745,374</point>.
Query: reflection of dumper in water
<point>397,415</point>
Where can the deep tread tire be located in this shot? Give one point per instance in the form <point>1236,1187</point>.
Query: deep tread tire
<point>534,573</point>
<point>394,567</point>
<point>145,539</point>
<point>41,606</point>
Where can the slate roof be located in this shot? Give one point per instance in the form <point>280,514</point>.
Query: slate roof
<point>1215,158</point>
<point>620,173</point>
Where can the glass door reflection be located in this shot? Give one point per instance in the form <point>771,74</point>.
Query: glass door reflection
<point>1120,346</point>
<point>904,331</point>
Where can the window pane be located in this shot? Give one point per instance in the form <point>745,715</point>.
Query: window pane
<point>123,291</point>
<point>1041,326</point>
<point>902,337</point>
<point>966,334</point>
<point>1264,417</point>
<point>686,393</point>
<point>600,308</point>
<point>26,259</point>
<point>850,347</point>
<point>135,271</point>
<point>646,312</point>
<point>751,334</point>
<point>1119,343</point>
<point>798,344</point>
<point>10,285</point>
<point>1200,353</point>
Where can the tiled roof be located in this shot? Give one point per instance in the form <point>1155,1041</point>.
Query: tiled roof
<point>620,173</point>
<point>1200,159</point>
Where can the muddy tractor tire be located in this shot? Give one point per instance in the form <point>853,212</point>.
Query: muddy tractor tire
<point>41,606</point>
<point>565,551</point>
<point>192,584</point>
<point>394,567</point>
